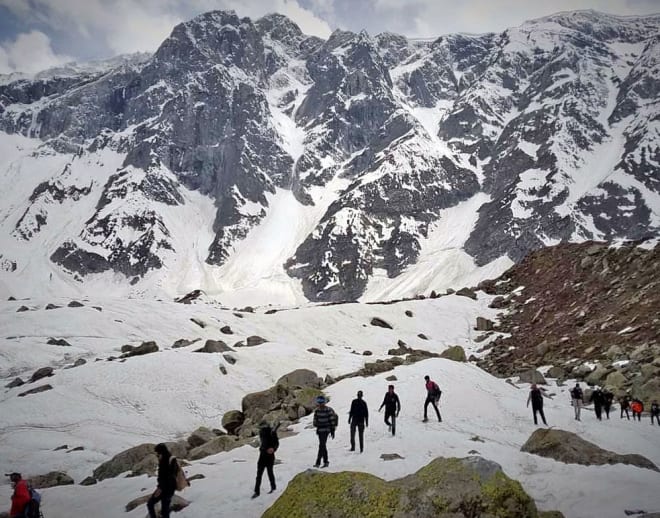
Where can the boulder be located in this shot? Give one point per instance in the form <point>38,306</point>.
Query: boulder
<point>423,336</point>
<point>315,350</point>
<point>75,304</point>
<point>498,302</point>
<point>596,376</point>
<point>531,376</point>
<point>255,340</point>
<point>44,372</point>
<point>22,309</point>
<point>52,306</point>
<point>189,297</point>
<point>483,324</point>
<point>616,381</point>
<point>255,405</point>
<point>445,488</point>
<point>199,322</point>
<point>42,388</point>
<point>455,353</point>
<point>230,359</point>
<point>409,313</point>
<point>143,348</point>
<point>89,481</point>
<point>569,448</point>
<point>138,460</point>
<point>232,421</point>
<point>556,371</point>
<point>467,292</point>
<point>58,341</point>
<point>214,346</point>
<point>200,436</point>
<point>182,342</point>
<point>300,378</point>
<point>221,443</point>
<point>379,322</point>
<point>16,382</point>
<point>226,330</point>
<point>51,479</point>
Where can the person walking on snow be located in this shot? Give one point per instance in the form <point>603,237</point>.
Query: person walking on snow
<point>167,469</point>
<point>392,408</point>
<point>21,496</point>
<point>358,418</point>
<point>432,397</point>
<point>325,422</point>
<point>576,400</point>
<point>655,412</point>
<point>624,404</point>
<point>536,396</point>
<point>608,397</point>
<point>269,442</point>
<point>598,400</point>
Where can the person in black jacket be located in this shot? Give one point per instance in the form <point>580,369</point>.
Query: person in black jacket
<point>655,412</point>
<point>269,444</point>
<point>392,408</point>
<point>598,400</point>
<point>358,418</point>
<point>608,398</point>
<point>167,468</point>
<point>536,396</point>
<point>325,422</point>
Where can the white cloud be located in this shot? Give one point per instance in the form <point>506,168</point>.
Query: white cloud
<point>30,52</point>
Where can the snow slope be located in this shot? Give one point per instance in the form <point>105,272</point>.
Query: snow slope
<point>108,406</point>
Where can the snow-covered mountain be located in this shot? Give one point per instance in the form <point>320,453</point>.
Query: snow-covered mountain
<point>250,160</point>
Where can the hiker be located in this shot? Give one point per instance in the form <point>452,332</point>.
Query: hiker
<point>392,408</point>
<point>432,396</point>
<point>576,400</point>
<point>655,412</point>
<point>598,401</point>
<point>536,396</point>
<point>325,422</point>
<point>358,418</point>
<point>21,496</point>
<point>167,469</point>
<point>624,403</point>
<point>269,442</point>
<point>608,397</point>
<point>637,408</point>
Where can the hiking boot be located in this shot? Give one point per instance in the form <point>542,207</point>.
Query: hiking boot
<point>326,464</point>
<point>272,490</point>
<point>316,465</point>
<point>425,420</point>
<point>255,495</point>
<point>352,449</point>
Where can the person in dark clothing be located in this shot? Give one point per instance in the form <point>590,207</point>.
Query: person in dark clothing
<point>325,422</point>
<point>392,408</point>
<point>576,400</point>
<point>358,418</point>
<point>432,397</point>
<point>598,401</point>
<point>536,396</point>
<point>608,397</point>
<point>167,468</point>
<point>655,412</point>
<point>624,403</point>
<point>267,448</point>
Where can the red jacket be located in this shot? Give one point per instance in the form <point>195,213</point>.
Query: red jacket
<point>19,499</point>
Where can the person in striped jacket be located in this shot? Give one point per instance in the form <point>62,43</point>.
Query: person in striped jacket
<point>325,422</point>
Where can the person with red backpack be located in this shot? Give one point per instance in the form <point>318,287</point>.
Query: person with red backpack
<point>21,496</point>
<point>433,393</point>
<point>637,408</point>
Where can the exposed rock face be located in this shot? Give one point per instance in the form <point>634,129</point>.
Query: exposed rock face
<point>445,488</point>
<point>586,302</point>
<point>455,353</point>
<point>570,448</point>
<point>391,131</point>
<point>214,346</point>
<point>143,348</point>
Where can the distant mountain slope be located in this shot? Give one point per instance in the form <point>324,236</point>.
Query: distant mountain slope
<point>148,176</point>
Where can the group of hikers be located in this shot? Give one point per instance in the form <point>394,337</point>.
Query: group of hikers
<point>170,476</point>
<point>602,400</point>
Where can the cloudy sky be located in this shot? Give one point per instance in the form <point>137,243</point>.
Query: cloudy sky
<point>37,34</point>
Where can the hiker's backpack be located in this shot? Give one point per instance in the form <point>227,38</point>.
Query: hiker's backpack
<point>576,393</point>
<point>33,507</point>
<point>436,392</point>
<point>181,482</point>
